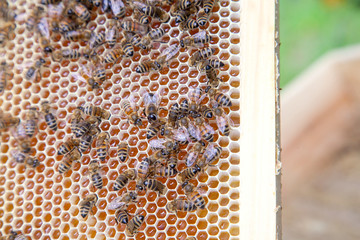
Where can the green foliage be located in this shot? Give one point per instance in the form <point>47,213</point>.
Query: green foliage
<point>310,28</point>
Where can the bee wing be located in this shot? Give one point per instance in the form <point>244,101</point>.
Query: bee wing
<point>43,27</point>
<point>105,5</point>
<point>194,131</point>
<point>191,158</point>
<point>116,6</point>
<point>116,204</point>
<point>55,10</point>
<point>18,132</point>
<point>21,17</point>
<point>180,135</point>
<point>171,51</point>
<point>209,128</point>
<point>221,122</point>
<point>210,151</point>
<point>157,143</point>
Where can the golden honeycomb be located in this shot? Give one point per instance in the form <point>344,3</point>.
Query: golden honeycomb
<point>43,204</point>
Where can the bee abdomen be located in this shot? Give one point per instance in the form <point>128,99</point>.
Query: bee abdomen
<point>97,180</point>
<point>197,199</point>
<point>84,210</point>
<point>51,121</point>
<point>120,182</point>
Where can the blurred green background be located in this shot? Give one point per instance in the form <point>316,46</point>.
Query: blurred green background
<point>310,28</point>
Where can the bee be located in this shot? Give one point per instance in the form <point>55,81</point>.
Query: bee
<point>146,66</point>
<point>211,75</point>
<point>210,63</point>
<point>96,40</point>
<point>202,17</point>
<point>117,8</point>
<point>173,160</point>
<point>165,171</point>
<point>151,107</point>
<point>208,5</point>
<point>131,26</point>
<point>188,24</point>
<point>119,202</point>
<point>127,48</point>
<point>153,129</point>
<point>113,55</point>
<point>153,11</point>
<point>22,139</point>
<point>155,185</point>
<point>174,113</point>
<point>222,99</point>
<point>79,10</point>
<point>206,131</point>
<point>188,173</point>
<point>99,73</point>
<point>87,139</point>
<point>13,236</point>
<point>68,146</point>
<point>123,151</point>
<point>34,72</point>
<point>192,129</point>
<point>212,153</point>
<point>134,39</point>
<point>201,55</point>
<point>184,4</point>
<point>123,178</point>
<point>121,216</point>
<point>141,18</point>
<point>166,55</point>
<point>198,39</point>
<point>102,145</point>
<point>95,111</point>
<point>206,111</point>
<point>44,39</point>
<point>131,112</point>
<point>59,55</point>
<point>222,121</point>
<point>196,96</point>
<point>184,109</point>
<point>166,145</point>
<point>112,33</point>
<point>94,169</point>
<point>34,17</point>
<point>180,205</point>
<point>66,164</point>
<point>167,131</point>
<point>31,120</point>
<point>194,154</point>
<point>81,127</point>
<point>142,172</point>
<point>87,204</point>
<point>193,195</point>
<point>49,117</point>
<point>66,25</point>
<point>181,137</point>
<point>79,34</point>
<point>4,75</point>
<point>133,225</point>
<point>76,119</point>
<point>21,157</point>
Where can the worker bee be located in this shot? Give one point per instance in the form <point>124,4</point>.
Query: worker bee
<point>123,151</point>
<point>21,157</point>
<point>13,236</point>
<point>87,75</point>
<point>87,139</point>
<point>166,55</point>
<point>59,55</point>
<point>154,128</point>
<point>7,121</point>
<point>212,153</point>
<point>78,34</point>
<point>211,75</point>
<point>76,119</point>
<point>202,17</point>
<point>4,75</point>
<point>34,73</point>
<point>173,115</point>
<point>48,2</point>
<point>44,39</point>
<point>165,171</point>
<point>151,102</point>
<point>122,201</point>
<point>222,99</point>
<point>180,205</point>
<point>155,185</point>
<point>68,146</point>
<point>79,10</point>
<point>6,29</point>
<point>95,111</point>
<point>193,195</point>
<point>31,121</point>
<point>117,8</point>
<point>112,33</point>
<point>121,216</point>
<point>99,73</point>
<point>34,17</point>
<point>196,96</point>
<point>205,65</point>
<point>66,164</point>
<point>66,25</point>
<point>134,39</point>
<point>127,48</point>
<point>206,131</point>
<point>22,139</point>
<point>131,111</point>
<point>208,5</point>
<point>96,40</point>
<point>206,111</point>
<point>49,117</point>
<point>188,173</point>
<point>102,145</point>
<point>113,55</point>
<point>201,55</point>
<point>123,178</point>
<point>222,121</point>
<point>94,171</point>
<point>188,24</point>
<point>142,172</point>
<point>196,40</point>
<point>81,127</point>
<point>131,26</point>
<point>167,131</point>
<point>146,66</point>
<point>194,154</point>
<point>133,225</point>
<point>166,145</point>
<point>181,137</point>
<point>87,204</point>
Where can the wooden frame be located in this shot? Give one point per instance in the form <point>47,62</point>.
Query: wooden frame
<point>260,198</point>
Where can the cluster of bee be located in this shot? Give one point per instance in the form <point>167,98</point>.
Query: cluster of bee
<point>7,22</point>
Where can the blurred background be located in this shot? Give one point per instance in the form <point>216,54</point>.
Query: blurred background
<point>320,78</point>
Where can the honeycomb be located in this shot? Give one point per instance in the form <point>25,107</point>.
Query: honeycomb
<point>43,204</point>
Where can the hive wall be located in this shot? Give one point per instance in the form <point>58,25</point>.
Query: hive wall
<point>43,204</point>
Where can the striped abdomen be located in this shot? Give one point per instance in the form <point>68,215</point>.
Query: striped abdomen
<point>85,142</point>
<point>120,182</point>
<point>197,199</point>
<point>97,180</point>
<point>51,121</point>
<point>121,216</point>
<point>223,99</point>
<point>123,150</point>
